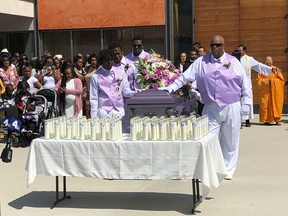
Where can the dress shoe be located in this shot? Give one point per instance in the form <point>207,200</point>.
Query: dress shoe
<point>228,177</point>
<point>248,124</point>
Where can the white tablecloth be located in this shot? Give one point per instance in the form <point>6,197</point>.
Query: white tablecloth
<point>125,159</point>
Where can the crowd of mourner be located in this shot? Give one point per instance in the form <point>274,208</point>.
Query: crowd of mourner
<point>79,92</point>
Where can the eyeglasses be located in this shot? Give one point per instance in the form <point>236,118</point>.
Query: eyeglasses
<point>137,45</point>
<point>24,58</point>
<point>216,44</point>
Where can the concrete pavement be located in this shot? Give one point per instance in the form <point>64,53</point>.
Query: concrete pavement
<point>259,186</point>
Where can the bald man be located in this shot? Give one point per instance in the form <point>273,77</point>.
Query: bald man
<point>221,81</point>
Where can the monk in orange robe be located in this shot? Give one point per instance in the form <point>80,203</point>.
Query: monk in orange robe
<point>271,95</point>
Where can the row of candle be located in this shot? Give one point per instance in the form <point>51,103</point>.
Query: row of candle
<point>83,129</point>
<point>173,128</point>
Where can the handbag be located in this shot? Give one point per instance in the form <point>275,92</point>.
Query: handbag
<point>7,153</point>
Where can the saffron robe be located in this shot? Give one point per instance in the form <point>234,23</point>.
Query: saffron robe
<point>271,92</point>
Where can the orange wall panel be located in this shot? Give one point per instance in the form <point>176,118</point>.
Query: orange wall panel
<point>79,14</point>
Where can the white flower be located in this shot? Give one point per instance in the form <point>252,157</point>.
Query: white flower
<point>227,64</point>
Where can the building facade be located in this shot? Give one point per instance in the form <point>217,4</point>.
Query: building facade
<point>87,26</point>
<point>17,26</point>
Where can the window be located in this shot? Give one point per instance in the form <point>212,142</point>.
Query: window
<point>122,36</point>
<point>57,43</point>
<point>153,38</point>
<point>86,42</point>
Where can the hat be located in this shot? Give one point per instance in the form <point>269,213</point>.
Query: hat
<point>5,50</point>
<point>59,56</point>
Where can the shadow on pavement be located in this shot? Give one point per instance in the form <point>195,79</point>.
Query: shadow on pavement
<point>147,201</point>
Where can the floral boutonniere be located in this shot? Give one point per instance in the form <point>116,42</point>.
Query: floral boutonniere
<point>126,68</point>
<point>227,64</point>
<point>119,80</point>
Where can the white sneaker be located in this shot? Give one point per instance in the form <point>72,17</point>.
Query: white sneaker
<point>228,177</point>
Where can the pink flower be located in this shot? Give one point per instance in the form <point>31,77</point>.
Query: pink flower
<point>144,71</point>
<point>154,85</point>
<point>176,71</point>
<point>165,72</point>
<point>147,77</point>
<point>158,71</point>
<point>146,58</point>
<point>155,76</point>
<point>160,77</point>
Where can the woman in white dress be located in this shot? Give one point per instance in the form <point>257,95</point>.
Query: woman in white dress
<point>70,89</point>
<point>49,76</point>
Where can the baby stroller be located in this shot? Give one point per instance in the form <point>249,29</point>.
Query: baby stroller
<point>35,111</point>
<point>52,98</point>
<point>41,106</point>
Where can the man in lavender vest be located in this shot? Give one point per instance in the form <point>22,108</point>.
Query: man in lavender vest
<point>107,87</point>
<point>221,81</point>
<point>121,62</point>
<point>137,50</point>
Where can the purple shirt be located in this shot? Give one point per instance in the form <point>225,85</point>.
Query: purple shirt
<point>222,81</point>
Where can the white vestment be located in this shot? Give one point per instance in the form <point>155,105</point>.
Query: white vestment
<point>249,63</point>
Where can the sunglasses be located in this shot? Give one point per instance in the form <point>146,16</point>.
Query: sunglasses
<point>216,44</point>
<point>24,58</point>
<point>137,45</point>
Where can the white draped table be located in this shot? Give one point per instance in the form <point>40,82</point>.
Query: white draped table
<point>125,159</point>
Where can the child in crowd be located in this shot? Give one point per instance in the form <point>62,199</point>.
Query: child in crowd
<point>34,110</point>
<point>9,95</point>
<point>22,95</point>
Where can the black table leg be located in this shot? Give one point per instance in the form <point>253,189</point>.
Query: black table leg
<point>196,194</point>
<point>58,193</point>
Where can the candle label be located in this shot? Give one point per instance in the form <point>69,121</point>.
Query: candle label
<point>46,123</point>
<point>183,125</point>
<point>56,123</point>
<point>172,125</point>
